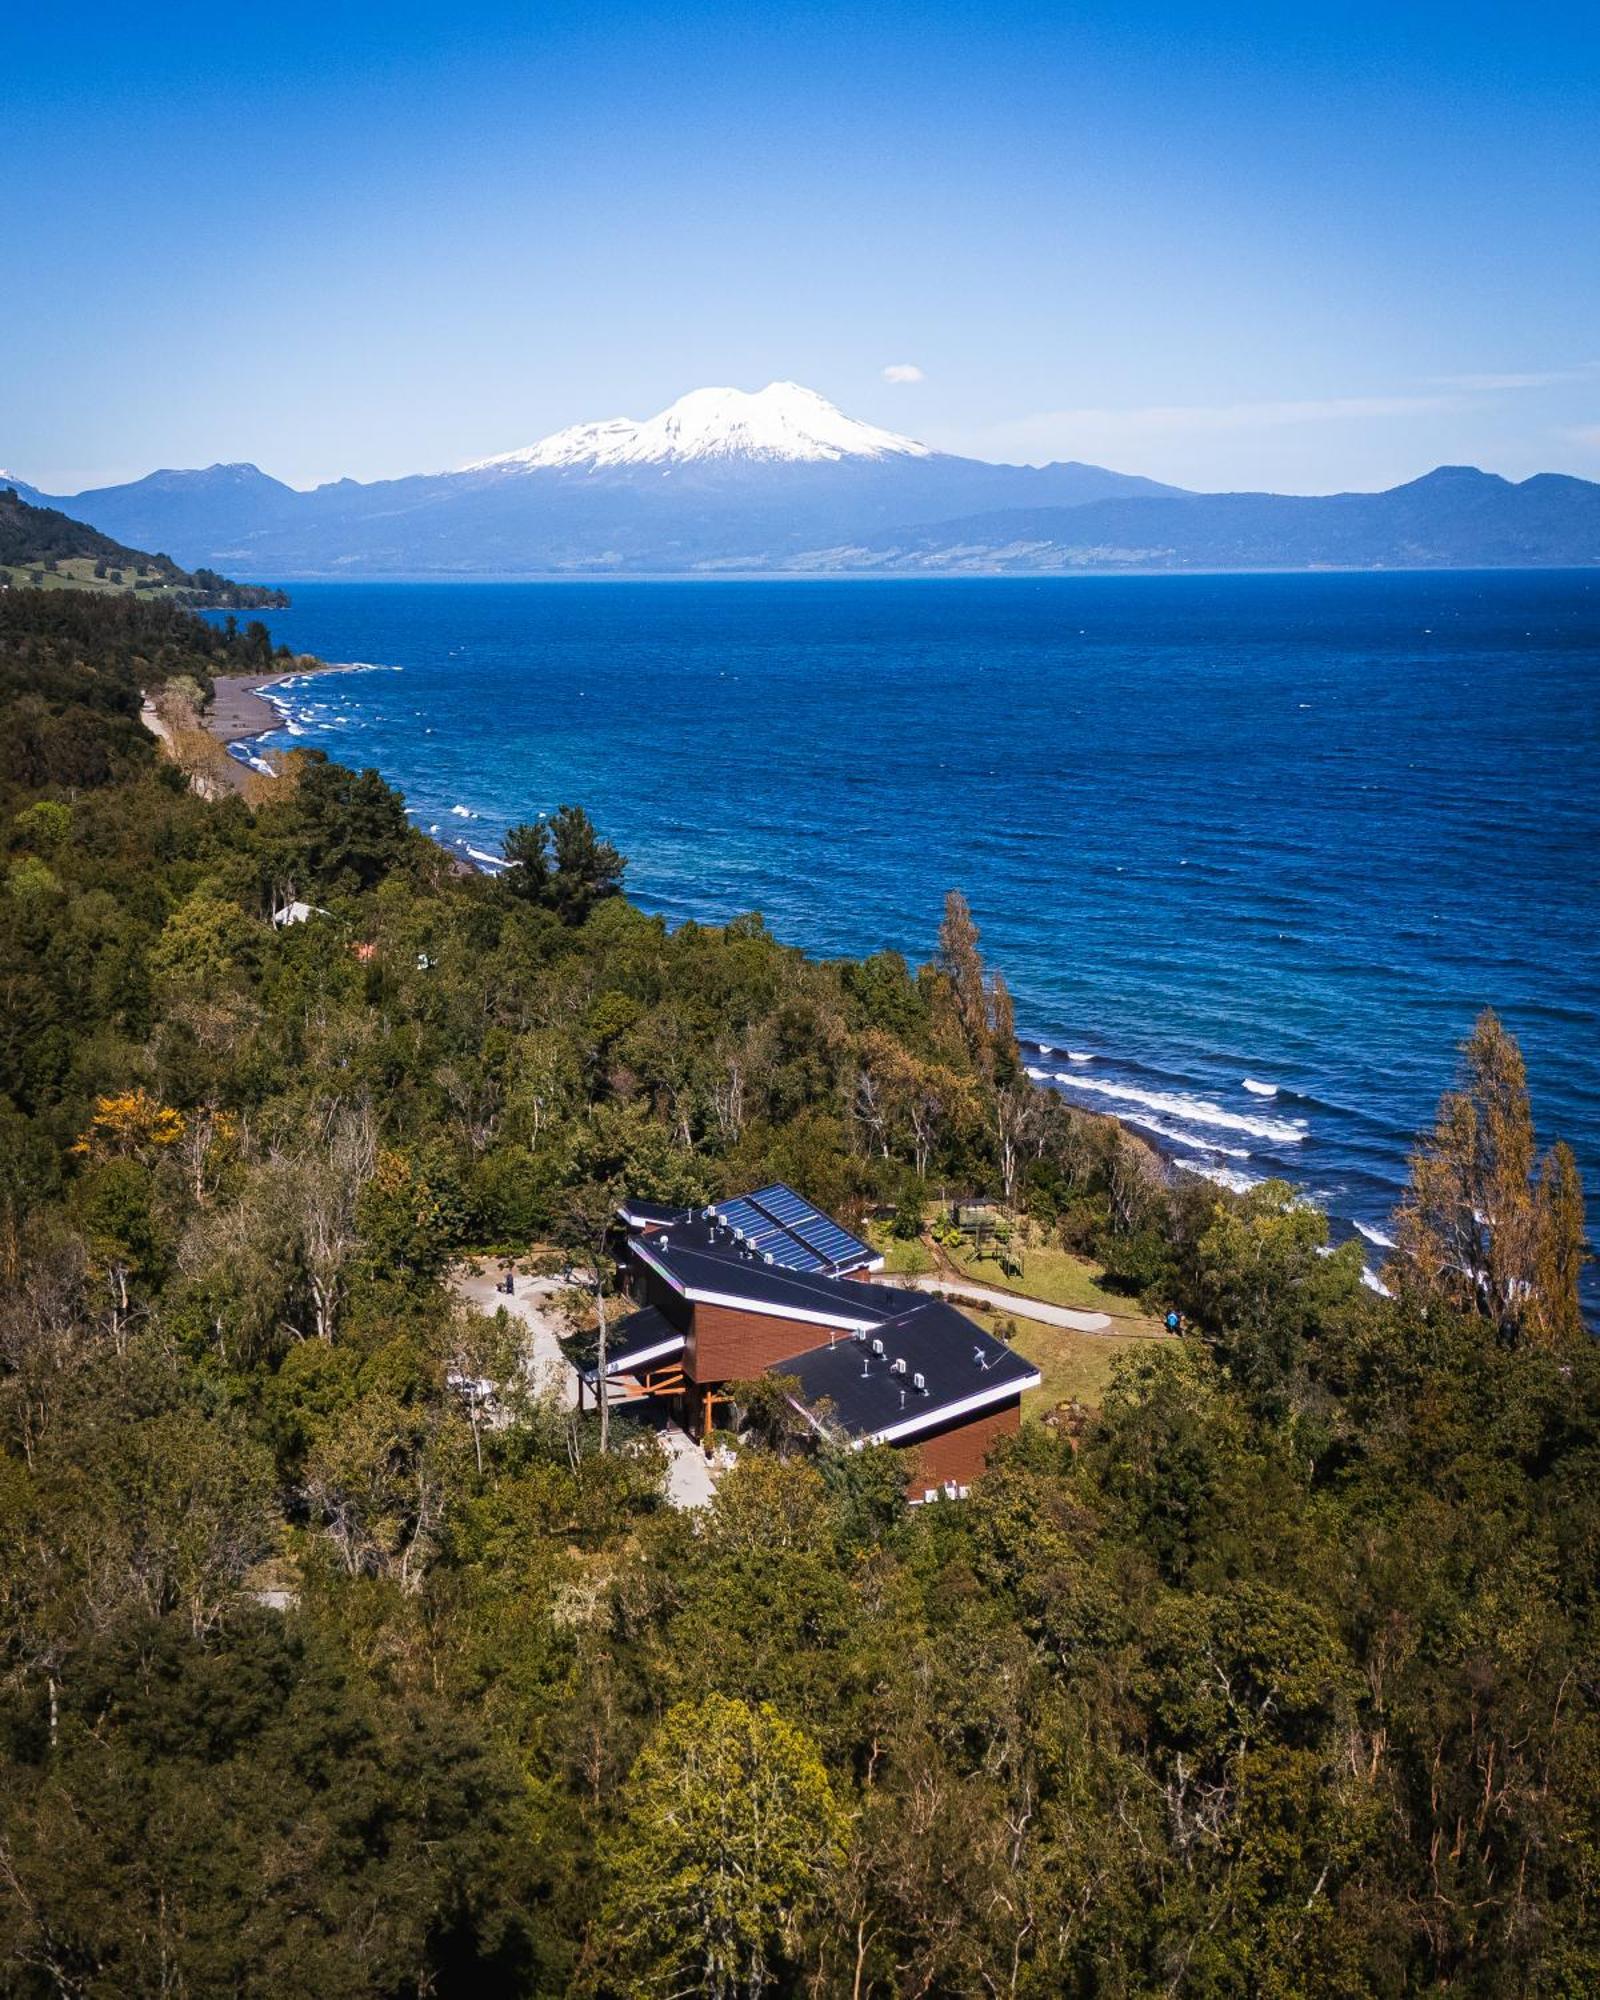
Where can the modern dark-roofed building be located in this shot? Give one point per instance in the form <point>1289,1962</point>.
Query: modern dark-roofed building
<point>767,1283</point>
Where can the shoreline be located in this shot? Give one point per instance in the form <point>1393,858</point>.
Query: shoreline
<point>236,712</point>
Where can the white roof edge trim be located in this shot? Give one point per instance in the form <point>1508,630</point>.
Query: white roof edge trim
<point>811,1418</point>
<point>800,1313</point>
<point>636,1245</point>
<point>640,1356</point>
<point>1001,1392</point>
<point>633,1221</point>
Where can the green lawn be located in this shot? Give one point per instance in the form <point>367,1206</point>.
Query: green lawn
<point>77,573</point>
<point>1063,1280</point>
<point>902,1259</point>
<point>1072,1364</point>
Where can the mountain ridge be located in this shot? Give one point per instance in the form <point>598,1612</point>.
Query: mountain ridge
<point>780,479</point>
<point>1452,517</point>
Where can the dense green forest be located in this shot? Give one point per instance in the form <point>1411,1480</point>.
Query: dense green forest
<point>1278,1675</point>
<point>42,548</point>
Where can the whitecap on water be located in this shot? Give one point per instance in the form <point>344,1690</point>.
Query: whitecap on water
<point>1178,1137</point>
<point>1192,1110</point>
<point>1260,1089</point>
<point>1227,1177</point>
<point>1374,1235</point>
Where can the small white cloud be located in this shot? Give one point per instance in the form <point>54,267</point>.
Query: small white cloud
<point>903,371</point>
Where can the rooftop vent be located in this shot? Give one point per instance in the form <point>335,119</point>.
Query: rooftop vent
<point>919,1382</point>
<point>861,1335</point>
<point>899,1366</point>
<point>766,1256</point>
<point>877,1347</point>
<point>980,1357</point>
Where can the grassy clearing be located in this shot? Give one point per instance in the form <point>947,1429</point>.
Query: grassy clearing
<point>1062,1280</point>
<point>77,573</point>
<point>902,1258</point>
<point>1073,1364</point>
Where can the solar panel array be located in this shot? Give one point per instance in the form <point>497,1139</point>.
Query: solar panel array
<point>778,1223</point>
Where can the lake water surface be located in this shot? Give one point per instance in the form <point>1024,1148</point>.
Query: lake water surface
<point>1289,829</point>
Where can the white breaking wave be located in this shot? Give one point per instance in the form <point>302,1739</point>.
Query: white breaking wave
<point>1182,1138</point>
<point>1078,1056</point>
<point>1260,1089</point>
<point>1045,1049</point>
<point>1228,1177</point>
<point>1193,1110</point>
<point>489,860</point>
<point>1374,1236</point>
<point>463,812</point>
<point>1374,1283</point>
<point>1038,1075</point>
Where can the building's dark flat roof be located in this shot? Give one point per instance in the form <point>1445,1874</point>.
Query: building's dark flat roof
<point>706,1258</point>
<point>965,1371</point>
<point>640,1340</point>
<point>659,1213</point>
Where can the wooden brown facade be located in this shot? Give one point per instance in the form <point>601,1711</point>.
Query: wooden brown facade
<point>957,1456</point>
<point>733,1344</point>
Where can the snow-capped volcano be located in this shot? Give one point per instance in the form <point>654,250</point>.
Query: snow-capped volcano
<point>781,423</point>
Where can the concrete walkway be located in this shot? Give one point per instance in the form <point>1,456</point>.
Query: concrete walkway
<point>1012,1302</point>
<point>544,1363</point>
<point>690,1480</point>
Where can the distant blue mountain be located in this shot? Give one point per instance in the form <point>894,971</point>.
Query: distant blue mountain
<point>1453,518</point>
<point>725,481</point>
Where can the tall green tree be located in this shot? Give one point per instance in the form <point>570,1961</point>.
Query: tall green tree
<point>730,1835</point>
<point>1483,1228</point>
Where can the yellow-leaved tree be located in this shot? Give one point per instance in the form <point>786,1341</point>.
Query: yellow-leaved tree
<point>1486,1226</point>
<point>130,1123</point>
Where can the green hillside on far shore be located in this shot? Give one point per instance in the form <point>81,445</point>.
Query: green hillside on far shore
<point>44,549</point>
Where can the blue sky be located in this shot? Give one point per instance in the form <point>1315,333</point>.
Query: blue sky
<point>1235,247</point>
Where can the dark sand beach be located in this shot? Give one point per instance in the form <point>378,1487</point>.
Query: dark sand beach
<point>237,710</point>
<point>237,713</point>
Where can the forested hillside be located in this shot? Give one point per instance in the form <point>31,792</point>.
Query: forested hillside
<point>42,548</point>
<point>1278,1674</point>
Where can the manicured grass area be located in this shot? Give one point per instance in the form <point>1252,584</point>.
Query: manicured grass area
<point>1063,1280</point>
<point>1072,1364</point>
<point>77,573</point>
<point>902,1258</point>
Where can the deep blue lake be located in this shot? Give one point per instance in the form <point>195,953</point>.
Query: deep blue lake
<point>1295,829</point>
